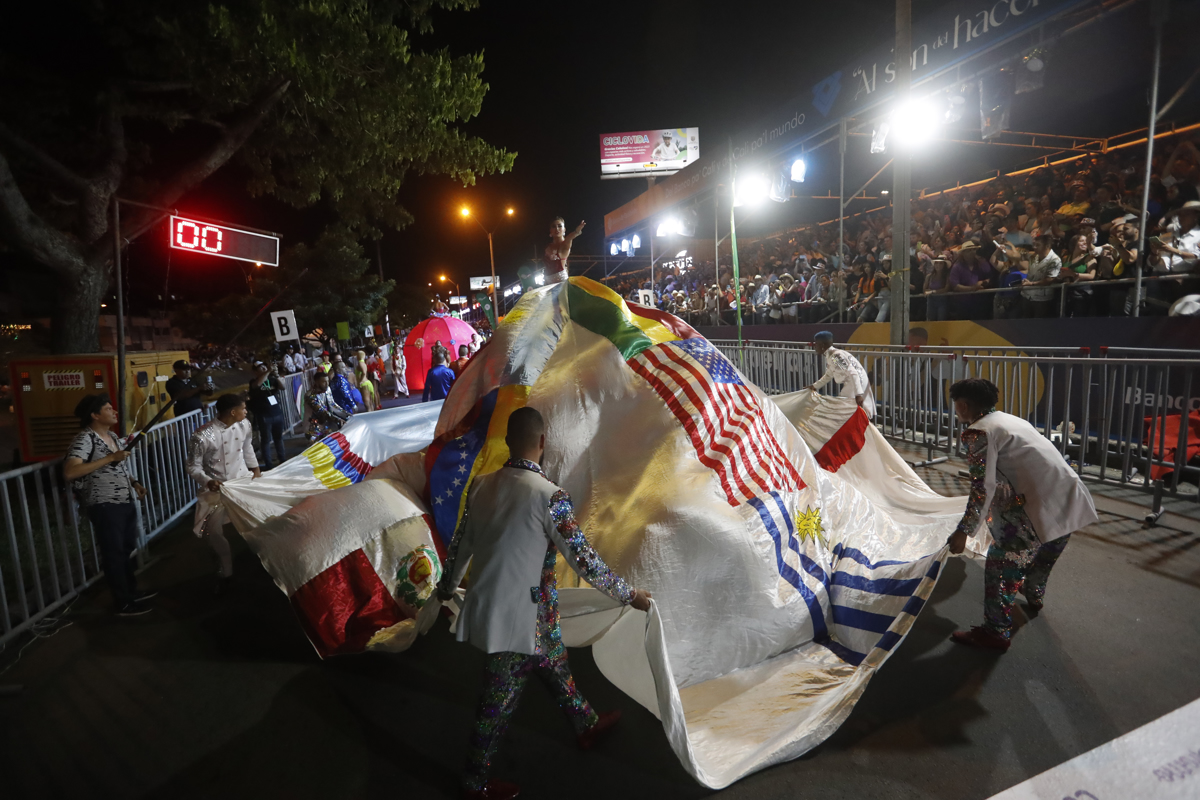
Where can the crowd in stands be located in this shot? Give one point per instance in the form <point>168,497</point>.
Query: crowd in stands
<point>1046,243</point>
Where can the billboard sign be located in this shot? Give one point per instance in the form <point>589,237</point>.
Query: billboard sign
<point>481,283</point>
<point>662,151</point>
<point>458,301</point>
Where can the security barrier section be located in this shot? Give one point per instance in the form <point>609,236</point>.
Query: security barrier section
<point>48,554</point>
<point>1131,422</point>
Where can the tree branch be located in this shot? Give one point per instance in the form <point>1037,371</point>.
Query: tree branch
<point>94,214</point>
<point>234,135</point>
<point>47,162</point>
<point>158,86</point>
<point>30,234</point>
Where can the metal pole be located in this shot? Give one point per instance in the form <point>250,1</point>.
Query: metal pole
<point>1158,16</point>
<point>737,278</point>
<point>116,225</point>
<point>492,259</point>
<point>841,213</point>
<point>387,318</point>
<point>650,232</point>
<point>902,182</point>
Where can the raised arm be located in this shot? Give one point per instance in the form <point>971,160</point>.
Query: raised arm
<point>570,540</point>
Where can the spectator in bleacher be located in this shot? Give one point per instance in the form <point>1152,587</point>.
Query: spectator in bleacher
<point>969,274</point>
<point>1175,252</point>
<point>1042,269</point>
<point>1079,268</point>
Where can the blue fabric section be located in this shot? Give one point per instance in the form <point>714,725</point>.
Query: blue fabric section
<point>913,606</point>
<point>863,620</point>
<point>934,568</point>
<point>844,653</point>
<point>888,640</point>
<point>452,468</point>
<point>820,631</point>
<point>810,566</point>
<point>889,586</point>
<point>842,551</point>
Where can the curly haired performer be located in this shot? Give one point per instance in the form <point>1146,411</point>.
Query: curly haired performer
<point>556,253</point>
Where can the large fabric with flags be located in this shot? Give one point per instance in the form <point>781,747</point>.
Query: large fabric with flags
<point>781,579</point>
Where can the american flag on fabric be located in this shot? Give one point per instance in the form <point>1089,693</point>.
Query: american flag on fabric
<point>721,416</point>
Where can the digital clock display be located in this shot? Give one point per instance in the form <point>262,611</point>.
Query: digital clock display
<point>224,241</point>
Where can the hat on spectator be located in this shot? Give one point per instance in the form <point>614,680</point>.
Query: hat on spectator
<point>1123,220</point>
<point>258,362</point>
<point>1088,221</point>
<point>1191,205</point>
<point>969,244</point>
<point>181,364</point>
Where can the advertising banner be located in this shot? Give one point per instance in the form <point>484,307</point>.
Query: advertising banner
<point>481,283</point>
<point>662,151</point>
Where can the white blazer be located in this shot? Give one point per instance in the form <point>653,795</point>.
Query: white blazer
<point>506,533</point>
<point>1056,500</point>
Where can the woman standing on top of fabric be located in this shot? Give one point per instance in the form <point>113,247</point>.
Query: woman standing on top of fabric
<point>559,249</point>
<point>1025,495</point>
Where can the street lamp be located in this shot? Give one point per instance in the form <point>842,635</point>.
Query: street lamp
<point>444,279</point>
<point>510,211</point>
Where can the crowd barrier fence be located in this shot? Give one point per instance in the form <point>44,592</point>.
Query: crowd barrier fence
<point>1117,420</point>
<point>48,553</point>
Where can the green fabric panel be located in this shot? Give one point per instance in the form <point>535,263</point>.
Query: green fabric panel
<point>605,319</point>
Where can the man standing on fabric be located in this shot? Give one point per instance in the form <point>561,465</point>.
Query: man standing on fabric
<point>220,451</point>
<point>183,390</point>
<point>95,463</point>
<point>264,404</point>
<point>844,368</point>
<point>439,379</point>
<point>516,523</point>
<point>1025,495</point>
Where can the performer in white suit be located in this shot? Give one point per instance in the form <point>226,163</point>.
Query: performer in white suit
<point>844,368</point>
<point>217,452</point>
<point>1025,495</point>
<point>516,523</point>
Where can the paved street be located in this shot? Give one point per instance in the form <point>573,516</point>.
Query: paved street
<point>224,698</point>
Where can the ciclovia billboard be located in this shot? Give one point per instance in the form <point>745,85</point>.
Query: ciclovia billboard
<point>638,154</point>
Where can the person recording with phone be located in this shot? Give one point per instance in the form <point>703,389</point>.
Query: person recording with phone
<point>105,488</point>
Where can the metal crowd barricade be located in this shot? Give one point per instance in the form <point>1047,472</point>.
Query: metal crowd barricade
<point>1118,421</point>
<point>291,398</point>
<point>48,554</point>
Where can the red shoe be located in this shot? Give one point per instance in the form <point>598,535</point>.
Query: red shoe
<point>593,734</point>
<point>980,636</point>
<point>495,790</point>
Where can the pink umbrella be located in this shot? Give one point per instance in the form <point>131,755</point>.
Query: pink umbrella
<point>418,347</point>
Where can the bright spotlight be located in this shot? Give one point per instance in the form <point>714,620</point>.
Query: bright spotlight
<point>540,279</point>
<point>915,121</point>
<point>510,212</point>
<point>637,242</point>
<point>613,249</point>
<point>681,254</point>
<point>466,212</point>
<point>751,190</point>
<point>883,191</point>
<point>798,170</point>
<point>624,245</point>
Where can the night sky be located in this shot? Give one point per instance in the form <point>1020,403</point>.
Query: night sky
<point>562,74</point>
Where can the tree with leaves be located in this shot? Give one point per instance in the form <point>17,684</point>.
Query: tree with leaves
<point>325,101</point>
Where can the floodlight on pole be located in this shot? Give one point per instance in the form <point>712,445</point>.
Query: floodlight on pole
<point>750,190</point>
<point>798,170</point>
<point>613,249</point>
<point>636,243</point>
<point>913,123</point>
<point>624,245</point>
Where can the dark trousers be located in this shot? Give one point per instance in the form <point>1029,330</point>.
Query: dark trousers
<point>114,526</point>
<point>270,429</point>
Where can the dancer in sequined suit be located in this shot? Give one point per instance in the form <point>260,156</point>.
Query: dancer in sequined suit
<point>516,523</point>
<point>1025,495</point>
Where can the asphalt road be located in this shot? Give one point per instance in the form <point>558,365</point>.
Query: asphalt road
<point>224,698</point>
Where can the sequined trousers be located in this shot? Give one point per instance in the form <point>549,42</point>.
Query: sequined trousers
<point>504,677</point>
<point>1010,571</point>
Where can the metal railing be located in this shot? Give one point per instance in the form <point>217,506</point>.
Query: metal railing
<point>1122,421</point>
<point>48,553</point>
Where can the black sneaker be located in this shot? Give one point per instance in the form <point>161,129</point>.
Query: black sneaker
<point>141,597</point>
<point>132,610</point>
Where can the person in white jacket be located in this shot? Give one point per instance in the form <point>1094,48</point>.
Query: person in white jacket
<point>516,523</point>
<point>1025,495</point>
<point>844,368</point>
<point>220,451</point>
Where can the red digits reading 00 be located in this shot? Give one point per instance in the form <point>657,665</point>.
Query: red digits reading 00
<point>199,237</point>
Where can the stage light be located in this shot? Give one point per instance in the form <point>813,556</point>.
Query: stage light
<point>883,191</point>
<point>681,254</point>
<point>613,249</point>
<point>510,212</point>
<point>798,170</point>
<point>540,279</point>
<point>751,190</point>
<point>662,229</point>
<point>636,243</point>
<point>624,245</point>
<point>914,122</point>
<point>466,212</point>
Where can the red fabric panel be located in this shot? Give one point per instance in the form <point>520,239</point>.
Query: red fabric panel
<point>343,607</point>
<point>672,323</point>
<point>846,443</point>
<point>1170,441</point>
